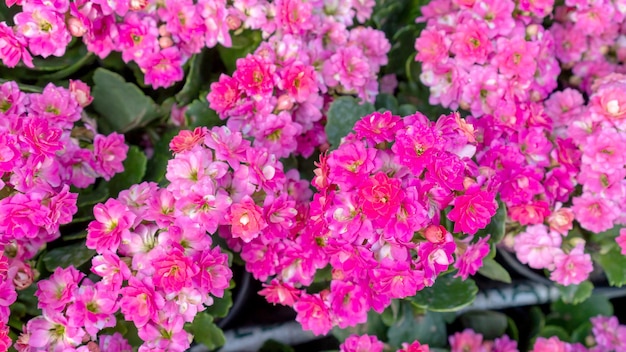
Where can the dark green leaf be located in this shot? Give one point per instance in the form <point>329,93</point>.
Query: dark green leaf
<point>537,321</point>
<point>93,196</point>
<point>447,294</point>
<point>206,332</point>
<point>391,313</point>
<point>488,323</point>
<point>511,329</point>
<point>194,79</point>
<point>221,306</point>
<point>570,316</point>
<point>121,104</point>
<point>157,165</point>
<point>574,294</point>
<point>75,254</point>
<point>200,114</point>
<point>402,48</point>
<point>75,55</point>
<point>406,110</point>
<point>134,170</point>
<point>342,115</point>
<point>428,328</point>
<point>496,227</point>
<point>582,333</point>
<point>27,296</point>
<point>275,346</point>
<point>387,102</point>
<point>614,265</point>
<point>552,330</point>
<point>494,271</point>
<point>373,326</point>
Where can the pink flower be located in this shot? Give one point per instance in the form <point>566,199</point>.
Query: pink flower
<point>59,289</point>
<point>313,314</point>
<point>113,221</point>
<point>469,261</point>
<point>467,340</point>
<point>300,81</point>
<point>595,213</point>
<point>81,92</point>
<point>378,127</point>
<point>114,343</point>
<point>621,240</point>
<point>173,270</point>
<point>381,196</point>
<point>277,292</point>
<point>364,343</point>
<point>45,30</point>
<point>246,219</point>
<point>13,47</point>
<point>224,95</point>
<point>140,302</point>
<point>552,344</point>
<point>572,268</point>
<point>414,347</point>
<point>537,247</point>
<point>473,210</point>
<point>348,67</point>
<point>293,16</point>
<point>561,220</point>
<point>163,68</point>
<point>109,151</point>
<point>255,75</point>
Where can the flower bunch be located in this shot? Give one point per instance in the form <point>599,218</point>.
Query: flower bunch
<point>278,94</point>
<point>367,343</point>
<point>42,154</point>
<point>486,56</point>
<point>158,36</point>
<point>591,39</point>
<point>8,297</point>
<point>376,218</point>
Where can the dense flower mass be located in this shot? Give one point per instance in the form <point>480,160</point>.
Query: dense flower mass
<point>278,94</point>
<point>376,219</point>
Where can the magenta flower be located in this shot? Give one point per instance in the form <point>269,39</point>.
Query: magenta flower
<point>173,270</point>
<point>113,221</point>
<point>473,210</point>
<point>364,343</point>
<point>381,196</point>
<point>110,151</point>
<point>471,259</point>
<point>246,219</point>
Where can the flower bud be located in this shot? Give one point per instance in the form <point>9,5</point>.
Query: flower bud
<point>76,27</point>
<point>233,22</point>
<point>81,92</point>
<point>284,103</point>
<point>435,233</point>
<point>165,42</point>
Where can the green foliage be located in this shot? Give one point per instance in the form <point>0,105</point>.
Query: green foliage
<point>373,326</point>
<point>134,171</point>
<point>448,294</point>
<point>574,294</point>
<point>157,165</point>
<point>497,226</point>
<point>243,44</point>
<point>275,346</point>
<point>571,316</point>
<point>63,257</point>
<point>614,265</point>
<point>488,323</point>
<point>343,113</point>
<point>206,332</point>
<point>494,271</point>
<point>221,306</point>
<point>121,105</point>
<point>199,113</point>
<point>428,328</point>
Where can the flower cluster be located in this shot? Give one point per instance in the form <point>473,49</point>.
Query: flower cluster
<point>591,39</point>
<point>7,297</point>
<point>158,36</point>
<point>606,332</point>
<point>486,56</point>
<point>42,154</point>
<point>376,218</point>
<point>278,94</point>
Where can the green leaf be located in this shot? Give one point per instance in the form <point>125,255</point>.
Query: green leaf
<point>496,227</point>
<point>75,55</point>
<point>200,114</point>
<point>343,113</point>
<point>582,333</point>
<point>194,79</point>
<point>511,329</point>
<point>494,271</point>
<point>27,296</point>
<point>206,332</point>
<point>387,102</point>
<point>157,165</point>
<point>275,346</point>
<point>134,170</point>
<point>122,105</point>
<point>75,254</point>
<point>221,306</point>
<point>403,48</point>
<point>488,323</point>
<point>574,294</point>
<point>406,109</point>
<point>537,321</point>
<point>553,330</point>
<point>570,316</point>
<point>373,326</point>
<point>448,294</point>
<point>93,196</point>
<point>614,265</point>
<point>390,314</point>
<point>428,328</point>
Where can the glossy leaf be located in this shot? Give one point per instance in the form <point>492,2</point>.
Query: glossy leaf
<point>221,306</point>
<point>428,328</point>
<point>93,196</point>
<point>554,330</point>
<point>570,316</point>
<point>63,257</point>
<point>243,44</point>
<point>206,332</point>
<point>448,294</point>
<point>343,113</point>
<point>134,171</point>
<point>494,271</point>
<point>200,114</point>
<point>488,323</point>
<point>157,165</point>
<point>574,294</point>
<point>614,265</point>
<point>122,105</point>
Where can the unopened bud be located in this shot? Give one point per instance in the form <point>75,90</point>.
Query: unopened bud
<point>76,27</point>
<point>284,103</point>
<point>233,22</point>
<point>165,42</point>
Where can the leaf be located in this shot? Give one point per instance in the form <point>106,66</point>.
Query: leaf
<point>63,257</point>
<point>537,321</point>
<point>157,165</point>
<point>93,196</point>
<point>27,296</point>
<point>448,294</point>
<point>134,170</point>
<point>497,225</point>
<point>488,323</point>
<point>403,48</point>
<point>571,316</point>
<point>76,54</point>
<point>200,114</point>
<point>574,294</point>
<point>122,105</point>
<point>392,312</point>
<point>614,265</point>
<point>343,113</point>
<point>387,102</point>
<point>553,330</point>
<point>581,333</point>
<point>206,332</point>
<point>373,326</point>
<point>428,328</point>
<point>194,79</point>
<point>221,306</point>
<point>494,271</point>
